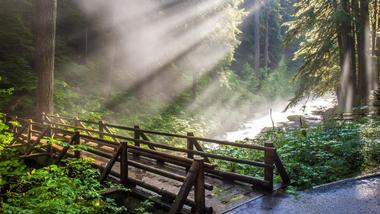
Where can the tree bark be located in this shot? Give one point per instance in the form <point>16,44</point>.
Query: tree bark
<point>374,71</point>
<point>46,13</point>
<point>266,48</point>
<point>256,38</point>
<point>362,32</point>
<point>348,71</point>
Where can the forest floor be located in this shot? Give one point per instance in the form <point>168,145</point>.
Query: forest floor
<point>361,195</point>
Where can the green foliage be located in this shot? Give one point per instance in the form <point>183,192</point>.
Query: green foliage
<point>318,155</point>
<point>145,207</point>
<point>53,189</point>
<point>5,136</point>
<point>73,188</point>
<point>316,25</point>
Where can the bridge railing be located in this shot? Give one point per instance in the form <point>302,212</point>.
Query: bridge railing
<point>194,177</point>
<point>183,155</point>
<point>137,142</point>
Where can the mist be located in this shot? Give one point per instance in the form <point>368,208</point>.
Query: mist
<point>158,50</point>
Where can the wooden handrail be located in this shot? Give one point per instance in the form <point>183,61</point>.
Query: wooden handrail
<point>222,142</point>
<point>271,159</point>
<point>164,146</point>
<point>196,166</point>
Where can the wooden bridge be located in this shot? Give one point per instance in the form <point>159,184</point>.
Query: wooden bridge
<point>163,165</point>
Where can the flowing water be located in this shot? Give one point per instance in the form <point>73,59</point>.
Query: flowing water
<point>308,110</point>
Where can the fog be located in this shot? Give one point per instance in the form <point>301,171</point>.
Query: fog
<point>157,50</point>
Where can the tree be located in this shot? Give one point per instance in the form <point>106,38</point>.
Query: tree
<point>375,22</point>
<point>266,33</point>
<point>362,34</point>
<point>326,48</point>
<point>46,12</point>
<point>348,70</point>
<point>256,37</point>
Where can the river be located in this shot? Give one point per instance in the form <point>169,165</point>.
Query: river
<point>307,109</point>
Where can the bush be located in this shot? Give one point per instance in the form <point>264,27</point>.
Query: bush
<point>321,154</point>
<point>73,188</point>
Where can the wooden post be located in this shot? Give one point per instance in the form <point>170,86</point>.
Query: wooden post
<point>43,117</point>
<point>199,189</point>
<point>77,142</point>
<point>137,138</point>
<point>50,130</point>
<point>76,122</point>
<point>124,164</point>
<point>16,129</point>
<point>30,129</point>
<point>190,145</point>
<point>101,129</point>
<point>185,189</point>
<point>268,171</point>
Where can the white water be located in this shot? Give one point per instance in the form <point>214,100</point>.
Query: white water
<point>307,109</point>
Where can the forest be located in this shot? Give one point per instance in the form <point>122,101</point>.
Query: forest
<point>179,77</point>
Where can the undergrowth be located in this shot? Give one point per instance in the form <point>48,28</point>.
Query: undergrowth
<point>317,155</point>
<point>71,187</point>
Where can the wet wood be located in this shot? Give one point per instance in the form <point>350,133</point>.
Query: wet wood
<point>281,169</point>
<point>174,157</point>
<point>238,177</point>
<point>268,159</point>
<point>76,142</point>
<point>35,155</point>
<point>110,164</point>
<point>124,164</point>
<point>18,134</point>
<point>31,146</point>
<point>185,189</point>
<point>199,188</point>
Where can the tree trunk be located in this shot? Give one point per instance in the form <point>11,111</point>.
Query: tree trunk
<point>266,48</point>
<point>256,37</point>
<point>348,72</point>
<point>374,72</point>
<point>374,27</point>
<point>46,12</point>
<point>362,32</point>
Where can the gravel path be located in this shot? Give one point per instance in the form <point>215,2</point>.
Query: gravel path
<point>351,196</point>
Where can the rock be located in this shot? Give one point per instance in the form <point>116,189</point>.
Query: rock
<point>299,119</point>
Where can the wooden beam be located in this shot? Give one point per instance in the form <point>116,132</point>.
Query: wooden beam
<point>110,164</point>
<point>185,189</point>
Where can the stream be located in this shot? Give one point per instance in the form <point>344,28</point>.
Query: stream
<point>308,110</point>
